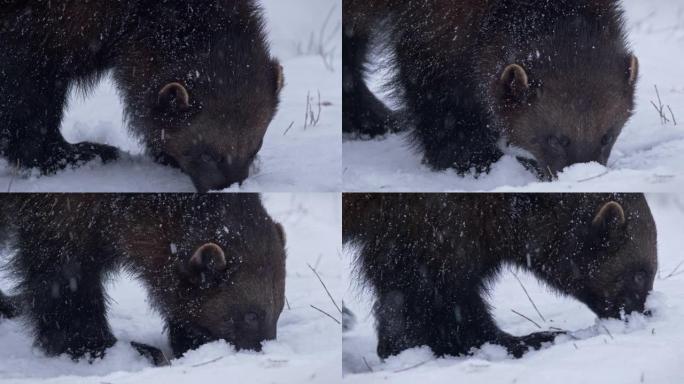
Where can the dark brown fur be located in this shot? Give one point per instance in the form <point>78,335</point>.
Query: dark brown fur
<point>451,57</point>
<point>430,260</point>
<point>214,266</point>
<point>216,51</point>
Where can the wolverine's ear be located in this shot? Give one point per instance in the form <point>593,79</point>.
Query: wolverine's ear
<point>632,69</point>
<point>173,96</point>
<point>514,83</point>
<point>207,264</point>
<point>279,76</point>
<point>281,234</point>
<point>611,216</point>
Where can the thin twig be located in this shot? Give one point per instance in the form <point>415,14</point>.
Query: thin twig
<point>608,331</point>
<point>312,119</point>
<point>208,362</point>
<point>663,119</point>
<point>321,44</point>
<point>367,365</point>
<point>674,271</point>
<point>306,113</point>
<point>320,109</point>
<point>325,313</point>
<point>288,303</point>
<point>525,317</point>
<point>529,298</point>
<point>412,367</point>
<point>325,287</point>
<point>288,128</point>
<point>660,108</point>
<point>593,177</point>
<point>674,120</point>
<point>318,260</point>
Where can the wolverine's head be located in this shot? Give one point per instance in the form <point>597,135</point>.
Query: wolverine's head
<point>567,101</point>
<point>608,257</point>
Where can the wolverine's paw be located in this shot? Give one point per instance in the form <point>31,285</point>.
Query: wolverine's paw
<point>369,124</point>
<point>517,346</point>
<point>164,159</point>
<point>465,159</point>
<point>90,151</point>
<point>365,115</point>
<point>91,349</point>
<point>78,344</point>
<point>64,155</point>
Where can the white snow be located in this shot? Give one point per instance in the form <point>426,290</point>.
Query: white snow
<point>647,157</point>
<point>293,158</point>
<point>308,348</point>
<point>646,350</point>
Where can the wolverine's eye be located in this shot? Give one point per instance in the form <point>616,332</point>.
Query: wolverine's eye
<point>251,320</point>
<point>206,158</point>
<point>606,139</point>
<point>559,143</point>
<point>640,279</point>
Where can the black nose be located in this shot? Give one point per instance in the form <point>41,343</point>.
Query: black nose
<point>215,177</point>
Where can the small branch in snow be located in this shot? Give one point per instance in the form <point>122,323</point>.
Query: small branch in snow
<point>674,271</point>
<point>528,297</point>
<point>593,177</point>
<point>674,120</point>
<point>324,287</point>
<point>322,44</point>
<point>288,128</point>
<point>312,119</point>
<point>320,108</point>
<point>288,303</point>
<point>660,108</point>
<point>208,362</point>
<point>367,365</point>
<point>412,367</point>
<point>308,106</point>
<point>325,313</point>
<point>608,331</point>
<point>527,318</point>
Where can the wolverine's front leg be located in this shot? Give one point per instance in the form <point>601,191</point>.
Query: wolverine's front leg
<point>68,307</point>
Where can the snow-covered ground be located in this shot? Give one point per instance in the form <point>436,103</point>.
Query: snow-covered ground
<point>293,158</point>
<point>308,349</point>
<point>648,350</point>
<point>649,155</point>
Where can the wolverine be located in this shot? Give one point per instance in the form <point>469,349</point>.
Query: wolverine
<point>197,81</point>
<point>213,266</point>
<point>551,82</point>
<point>430,260</point>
